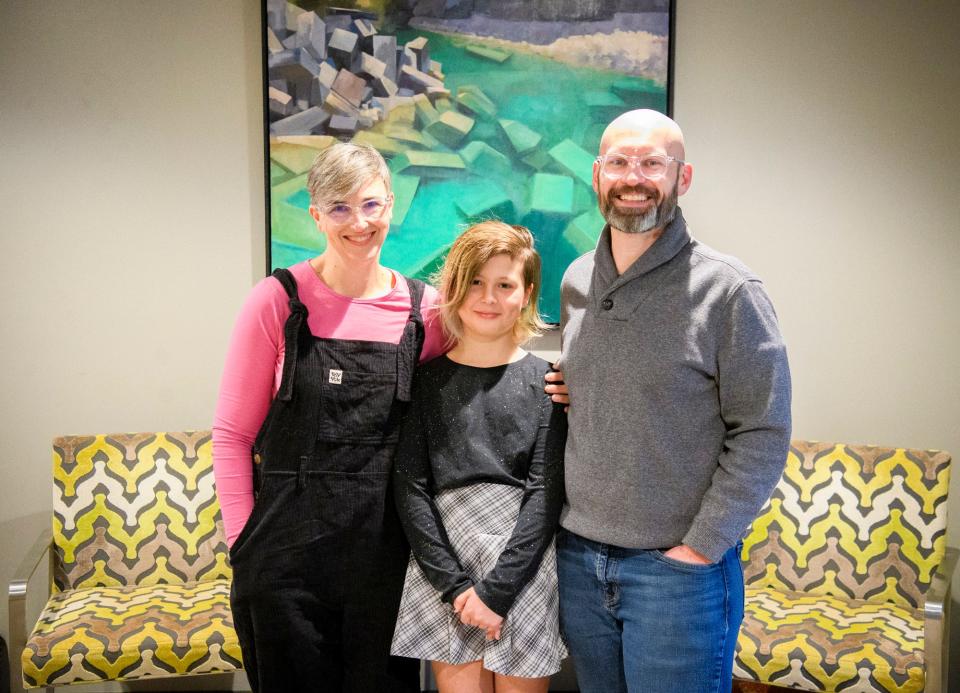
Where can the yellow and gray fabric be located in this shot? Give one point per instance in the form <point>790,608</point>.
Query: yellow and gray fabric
<point>836,568</point>
<point>141,574</point>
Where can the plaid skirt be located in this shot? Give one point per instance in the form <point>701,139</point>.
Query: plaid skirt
<point>479,520</point>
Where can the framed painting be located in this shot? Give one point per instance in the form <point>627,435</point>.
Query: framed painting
<point>482,108</point>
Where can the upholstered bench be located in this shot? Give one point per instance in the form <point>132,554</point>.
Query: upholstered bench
<point>139,566</point>
<point>847,573</point>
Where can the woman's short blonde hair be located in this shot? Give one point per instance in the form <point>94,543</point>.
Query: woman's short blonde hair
<point>340,170</point>
<point>469,254</point>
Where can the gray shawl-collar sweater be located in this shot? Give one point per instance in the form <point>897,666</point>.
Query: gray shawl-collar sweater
<point>680,418</point>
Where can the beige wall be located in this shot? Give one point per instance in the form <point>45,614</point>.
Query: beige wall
<point>131,213</point>
<point>824,136</point>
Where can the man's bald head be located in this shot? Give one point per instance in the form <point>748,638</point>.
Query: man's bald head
<point>647,124</point>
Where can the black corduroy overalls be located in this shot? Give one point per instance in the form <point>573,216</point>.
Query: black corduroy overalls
<point>318,569</point>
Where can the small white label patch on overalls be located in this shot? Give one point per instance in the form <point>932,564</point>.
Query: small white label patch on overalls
<point>336,377</point>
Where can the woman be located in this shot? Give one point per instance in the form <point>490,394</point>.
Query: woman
<point>317,375</point>
<point>479,480</point>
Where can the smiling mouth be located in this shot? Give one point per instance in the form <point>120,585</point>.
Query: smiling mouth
<point>360,239</point>
<point>631,198</point>
<point>482,314</point>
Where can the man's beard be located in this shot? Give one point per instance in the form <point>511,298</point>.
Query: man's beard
<point>656,217</point>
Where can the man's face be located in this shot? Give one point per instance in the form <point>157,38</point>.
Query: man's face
<point>633,203</point>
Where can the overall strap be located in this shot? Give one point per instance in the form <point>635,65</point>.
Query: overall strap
<point>411,342</point>
<point>291,332</point>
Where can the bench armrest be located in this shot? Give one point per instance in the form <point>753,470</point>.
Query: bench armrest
<point>936,621</point>
<point>17,600</point>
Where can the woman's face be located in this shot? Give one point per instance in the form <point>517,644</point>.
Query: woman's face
<point>357,226</point>
<point>494,300</point>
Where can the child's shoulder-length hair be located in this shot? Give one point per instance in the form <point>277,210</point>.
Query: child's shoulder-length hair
<point>469,254</point>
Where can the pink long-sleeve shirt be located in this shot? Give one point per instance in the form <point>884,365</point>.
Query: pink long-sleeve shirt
<point>251,376</point>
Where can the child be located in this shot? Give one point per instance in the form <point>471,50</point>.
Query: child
<point>478,480</point>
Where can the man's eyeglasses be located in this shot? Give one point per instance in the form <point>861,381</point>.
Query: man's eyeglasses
<point>651,166</point>
<point>372,209</point>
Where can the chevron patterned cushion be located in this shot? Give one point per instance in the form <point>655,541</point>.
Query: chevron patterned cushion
<point>121,633</point>
<point>817,643</point>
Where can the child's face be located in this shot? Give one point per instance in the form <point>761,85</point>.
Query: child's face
<point>494,300</point>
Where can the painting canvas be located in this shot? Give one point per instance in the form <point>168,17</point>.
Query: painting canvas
<point>483,109</point>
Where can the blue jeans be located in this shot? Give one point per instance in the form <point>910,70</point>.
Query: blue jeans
<point>635,620</point>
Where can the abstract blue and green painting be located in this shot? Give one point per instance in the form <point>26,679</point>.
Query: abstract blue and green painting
<point>482,108</point>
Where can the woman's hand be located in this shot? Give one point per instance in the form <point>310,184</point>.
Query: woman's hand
<point>557,388</point>
<point>473,612</point>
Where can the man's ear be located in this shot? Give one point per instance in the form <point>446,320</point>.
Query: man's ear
<point>686,179</point>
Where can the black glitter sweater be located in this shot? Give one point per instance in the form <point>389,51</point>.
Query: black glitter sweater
<point>469,425</point>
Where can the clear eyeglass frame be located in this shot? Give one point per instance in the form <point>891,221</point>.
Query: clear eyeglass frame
<point>651,166</point>
<point>370,209</point>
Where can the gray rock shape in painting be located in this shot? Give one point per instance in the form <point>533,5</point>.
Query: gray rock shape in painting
<point>296,66</point>
<point>352,13</point>
<point>281,104</point>
<point>312,35</point>
<point>421,49</point>
<point>417,81</point>
<point>277,17</point>
<point>318,90</point>
<point>371,66</point>
<point>337,105</point>
<point>338,21</point>
<point>364,29</point>
<point>385,50</point>
<point>384,87</point>
<point>349,86</point>
<point>327,74</point>
<point>308,122</point>
<point>344,48</point>
<point>274,45</point>
<point>405,56</point>
<point>342,125</point>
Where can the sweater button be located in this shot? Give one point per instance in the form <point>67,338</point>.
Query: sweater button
<point>606,303</point>
<point>256,458</point>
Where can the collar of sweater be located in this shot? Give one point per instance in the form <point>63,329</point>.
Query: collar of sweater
<point>673,239</point>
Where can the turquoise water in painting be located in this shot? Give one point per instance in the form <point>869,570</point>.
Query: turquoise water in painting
<point>560,103</point>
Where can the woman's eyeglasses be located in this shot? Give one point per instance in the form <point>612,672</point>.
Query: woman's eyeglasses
<point>372,209</point>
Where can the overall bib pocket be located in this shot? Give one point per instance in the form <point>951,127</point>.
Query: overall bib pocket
<point>357,406</point>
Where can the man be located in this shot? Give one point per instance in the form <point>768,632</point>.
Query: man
<point>679,429</point>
